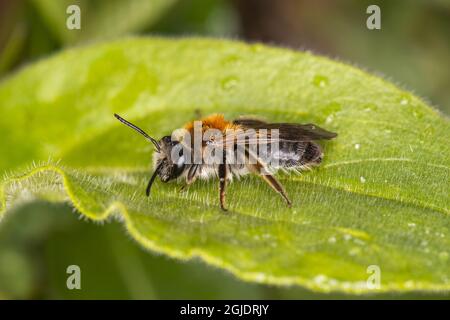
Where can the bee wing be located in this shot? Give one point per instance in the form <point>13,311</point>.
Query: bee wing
<point>299,132</point>
<point>249,122</point>
<point>289,132</point>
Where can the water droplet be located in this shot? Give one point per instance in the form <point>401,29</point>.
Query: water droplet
<point>443,256</point>
<point>329,119</point>
<point>362,179</point>
<point>404,100</point>
<point>429,131</point>
<point>229,83</point>
<point>357,146</point>
<point>260,277</point>
<point>371,107</point>
<point>320,81</point>
<point>320,279</point>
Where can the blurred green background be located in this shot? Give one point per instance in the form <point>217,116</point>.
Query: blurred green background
<point>38,241</point>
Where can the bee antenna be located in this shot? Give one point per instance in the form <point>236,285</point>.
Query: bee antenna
<point>150,182</point>
<point>132,126</point>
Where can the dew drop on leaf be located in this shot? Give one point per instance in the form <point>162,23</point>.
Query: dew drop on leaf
<point>371,107</point>
<point>354,251</point>
<point>404,100</point>
<point>320,279</point>
<point>418,115</point>
<point>320,81</point>
<point>229,83</point>
<point>329,119</point>
<point>429,130</point>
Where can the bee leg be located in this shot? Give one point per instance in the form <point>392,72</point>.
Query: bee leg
<point>223,175</point>
<point>190,179</point>
<point>271,180</point>
<point>184,188</point>
<point>259,168</point>
<point>278,187</point>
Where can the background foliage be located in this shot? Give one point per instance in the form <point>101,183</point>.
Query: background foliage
<point>30,32</point>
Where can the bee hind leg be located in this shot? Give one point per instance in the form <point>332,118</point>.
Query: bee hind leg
<point>278,187</point>
<point>271,181</point>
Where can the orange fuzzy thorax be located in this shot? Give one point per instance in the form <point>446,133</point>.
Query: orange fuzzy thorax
<point>215,121</point>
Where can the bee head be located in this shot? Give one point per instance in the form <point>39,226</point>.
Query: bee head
<point>169,156</point>
<point>169,159</point>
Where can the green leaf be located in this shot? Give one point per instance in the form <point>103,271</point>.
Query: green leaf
<point>380,197</point>
<point>101,19</point>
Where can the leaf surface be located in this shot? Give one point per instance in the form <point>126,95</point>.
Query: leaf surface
<point>381,196</point>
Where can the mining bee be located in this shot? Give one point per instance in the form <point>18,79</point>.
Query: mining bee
<point>281,146</point>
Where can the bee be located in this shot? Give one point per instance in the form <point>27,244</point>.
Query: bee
<point>292,145</point>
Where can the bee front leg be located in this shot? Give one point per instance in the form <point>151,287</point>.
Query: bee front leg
<point>190,178</point>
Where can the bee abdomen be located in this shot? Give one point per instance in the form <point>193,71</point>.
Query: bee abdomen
<point>312,154</point>
<point>293,155</point>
